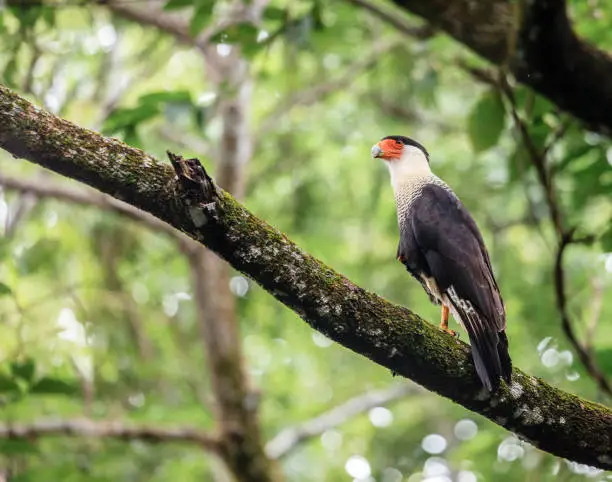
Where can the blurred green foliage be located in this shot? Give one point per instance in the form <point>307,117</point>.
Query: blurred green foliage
<point>89,298</point>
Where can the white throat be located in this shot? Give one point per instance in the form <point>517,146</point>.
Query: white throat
<point>409,169</point>
<point>409,174</point>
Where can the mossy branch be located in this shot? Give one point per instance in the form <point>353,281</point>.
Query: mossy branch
<point>542,51</point>
<point>390,335</point>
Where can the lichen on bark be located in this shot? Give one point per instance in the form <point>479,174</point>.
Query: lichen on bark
<point>390,335</point>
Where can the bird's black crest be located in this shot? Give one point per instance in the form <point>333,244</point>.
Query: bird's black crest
<point>409,142</point>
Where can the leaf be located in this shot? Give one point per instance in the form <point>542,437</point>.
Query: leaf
<point>48,15</point>
<point>131,137</point>
<point>4,248</point>
<point>27,16</point>
<point>24,369</point>
<point>4,289</point>
<point>8,385</point>
<point>317,15</point>
<point>606,243</point>
<point>177,4</point>
<point>199,116</point>
<point>541,106</point>
<point>427,87</point>
<point>486,121</point>
<point>121,119</point>
<point>243,34</point>
<point>588,175</point>
<point>200,18</point>
<point>54,386</point>
<point>275,13</point>
<point>17,446</point>
<point>518,163</point>
<point>605,360</point>
<point>42,255</point>
<point>574,153</point>
<point>539,133</point>
<point>165,96</point>
<point>149,106</point>
<point>10,71</point>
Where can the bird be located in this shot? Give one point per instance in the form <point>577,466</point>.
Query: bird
<point>441,246</point>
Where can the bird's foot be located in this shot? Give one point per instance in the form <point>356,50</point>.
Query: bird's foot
<point>446,329</point>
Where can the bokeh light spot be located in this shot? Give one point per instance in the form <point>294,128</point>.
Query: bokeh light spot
<point>239,286</point>
<point>466,476</point>
<point>550,358</point>
<point>380,417</point>
<point>510,450</point>
<point>434,444</point>
<point>358,467</point>
<point>466,429</point>
<point>321,340</point>
<point>331,440</point>
<point>391,474</point>
<point>435,467</point>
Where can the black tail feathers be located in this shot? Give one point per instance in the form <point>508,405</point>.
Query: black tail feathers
<point>489,346</point>
<point>492,359</point>
<point>504,356</point>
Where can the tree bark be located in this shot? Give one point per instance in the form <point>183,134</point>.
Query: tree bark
<point>535,40</point>
<point>392,336</point>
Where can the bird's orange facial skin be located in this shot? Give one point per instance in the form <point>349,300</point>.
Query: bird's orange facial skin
<point>390,149</point>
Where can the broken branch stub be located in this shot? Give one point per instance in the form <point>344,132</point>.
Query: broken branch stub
<point>201,194</point>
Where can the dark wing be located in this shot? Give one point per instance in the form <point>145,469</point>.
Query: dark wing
<point>410,255</point>
<point>457,259</point>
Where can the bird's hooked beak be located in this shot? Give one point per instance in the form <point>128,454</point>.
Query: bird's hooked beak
<point>377,151</point>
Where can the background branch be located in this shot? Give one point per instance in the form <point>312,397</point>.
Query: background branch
<point>42,187</point>
<point>107,429</point>
<point>318,92</point>
<point>564,236</point>
<point>400,23</point>
<point>291,437</point>
<point>584,353</point>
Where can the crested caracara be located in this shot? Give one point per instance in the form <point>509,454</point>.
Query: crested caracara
<point>441,246</point>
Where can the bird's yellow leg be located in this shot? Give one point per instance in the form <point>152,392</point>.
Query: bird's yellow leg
<point>444,321</point>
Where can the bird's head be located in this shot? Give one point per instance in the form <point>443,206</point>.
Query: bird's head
<point>403,156</point>
<point>396,148</point>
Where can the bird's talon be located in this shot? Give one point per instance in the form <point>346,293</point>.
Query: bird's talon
<point>452,333</point>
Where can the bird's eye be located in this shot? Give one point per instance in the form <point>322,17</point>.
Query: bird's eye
<point>398,143</point>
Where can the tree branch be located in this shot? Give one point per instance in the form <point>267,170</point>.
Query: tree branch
<point>542,50</point>
<point>153,15</point>
<point>289,438</point>
<point>108,429</point>
<point>177,25</point>
<point>392,336</point>
<point>421,32</point>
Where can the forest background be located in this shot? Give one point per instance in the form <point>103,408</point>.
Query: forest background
<point>174,366</point>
